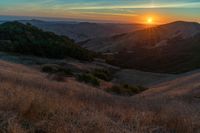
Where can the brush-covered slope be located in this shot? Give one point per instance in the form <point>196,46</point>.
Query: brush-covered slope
<point>31,102</point>
<point>26,39</point>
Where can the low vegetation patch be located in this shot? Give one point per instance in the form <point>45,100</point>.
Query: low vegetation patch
<point>88,78</point>
<point>56,69</point>
<point>102,74</point>
<point>125,90</point>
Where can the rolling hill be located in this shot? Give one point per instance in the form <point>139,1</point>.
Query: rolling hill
<point>169,48</point>
<point>148,38</point>
<point>180,55</point>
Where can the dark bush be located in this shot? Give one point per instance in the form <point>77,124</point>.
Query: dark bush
<point>56,69</point>
<point>88,78</point>
<point>125,90</point>
<point>102,74</point>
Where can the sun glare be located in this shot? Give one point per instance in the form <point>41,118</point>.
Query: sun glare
<point>149,20</point>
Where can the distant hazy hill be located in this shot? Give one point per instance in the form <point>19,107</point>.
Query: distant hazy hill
<point>147,38</point>
<point>81,31</point>
<point>27,39</point>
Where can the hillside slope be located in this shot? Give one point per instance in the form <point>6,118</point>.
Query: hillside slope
<point>181,55</point>
<point>180,93</point>
<point>185,85</point>
<point>31,102</point>
<point>135,77</point>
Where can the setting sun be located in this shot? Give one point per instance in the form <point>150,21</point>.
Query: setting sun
<point>149,20</point>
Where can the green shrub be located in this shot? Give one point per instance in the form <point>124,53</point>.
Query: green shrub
<point>88,78</point>
<point>102,74</point>
<point>125,90</point>
<point>56,69</point>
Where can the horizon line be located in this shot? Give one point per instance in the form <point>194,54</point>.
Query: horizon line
<point>60,19</point>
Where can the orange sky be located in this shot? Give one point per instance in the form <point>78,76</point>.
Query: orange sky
<point>128,11</point>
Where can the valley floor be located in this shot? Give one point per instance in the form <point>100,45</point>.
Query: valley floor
<point>30,101</point>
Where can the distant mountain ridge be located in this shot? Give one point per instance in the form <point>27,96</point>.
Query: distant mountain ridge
<point>81,31</point>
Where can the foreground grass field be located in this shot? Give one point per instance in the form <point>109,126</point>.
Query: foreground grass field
<point>30,102</point>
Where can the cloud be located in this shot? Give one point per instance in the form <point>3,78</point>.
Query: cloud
<point>172,5</point>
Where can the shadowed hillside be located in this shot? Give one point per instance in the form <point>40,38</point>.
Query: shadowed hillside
<point>29,40</point>
<point>180,55</point>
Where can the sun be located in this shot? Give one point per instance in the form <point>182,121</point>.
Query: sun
<point>149,20</point>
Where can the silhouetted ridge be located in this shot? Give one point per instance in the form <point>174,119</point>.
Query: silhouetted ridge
<point>181,22</point>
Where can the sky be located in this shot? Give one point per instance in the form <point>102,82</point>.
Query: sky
<point>126,11</point>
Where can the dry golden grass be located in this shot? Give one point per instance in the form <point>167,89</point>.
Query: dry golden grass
<point>30,102</point>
